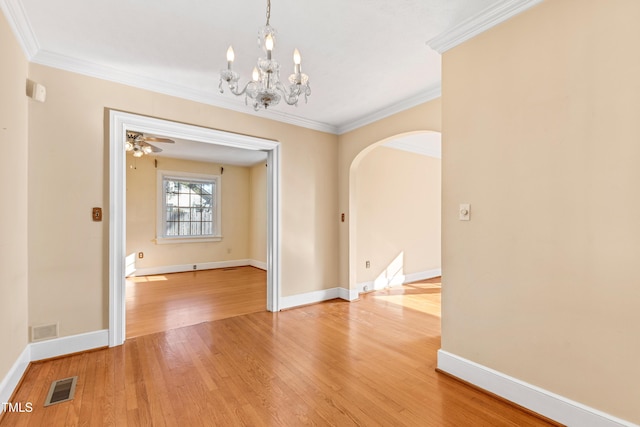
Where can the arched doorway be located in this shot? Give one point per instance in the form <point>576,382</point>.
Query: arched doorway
<point>393,243</point>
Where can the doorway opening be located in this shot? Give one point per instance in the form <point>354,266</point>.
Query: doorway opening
<point>394,232</point>
<point>119,124</point>
<point>195,234</point>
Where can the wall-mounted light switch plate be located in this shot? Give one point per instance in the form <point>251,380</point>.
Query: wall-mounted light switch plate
<point>464,212</point>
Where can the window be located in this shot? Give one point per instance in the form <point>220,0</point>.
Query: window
<point>188,208</point>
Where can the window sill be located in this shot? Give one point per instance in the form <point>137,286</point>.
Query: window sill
<point>172,240</point>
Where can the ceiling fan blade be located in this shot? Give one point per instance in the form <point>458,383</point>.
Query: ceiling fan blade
<point>157,139</point>
<point>154,149</point>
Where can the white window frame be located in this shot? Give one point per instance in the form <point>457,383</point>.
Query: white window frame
<point>161,211</point>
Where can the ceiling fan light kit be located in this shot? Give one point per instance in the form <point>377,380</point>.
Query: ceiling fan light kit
<point>139,144</point>
<point>265,88</point>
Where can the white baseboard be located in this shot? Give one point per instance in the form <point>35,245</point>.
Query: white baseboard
<point>189,267</point>
<point>539,400</point>
<point>348,294</point>
<point>382,283</point>
<point>315,297</point>
<point>48,349</point>
<point>258,264</point>
<point>422,275</point>
<point>13,377</point>
<point>67,345</point>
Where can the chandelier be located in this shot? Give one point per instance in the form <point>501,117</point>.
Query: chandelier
<point>265,88</point>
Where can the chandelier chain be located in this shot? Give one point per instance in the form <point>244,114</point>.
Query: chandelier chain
<point>268,11</point>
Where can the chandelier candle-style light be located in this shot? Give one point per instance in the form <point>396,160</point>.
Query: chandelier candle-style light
<point>265,88</point>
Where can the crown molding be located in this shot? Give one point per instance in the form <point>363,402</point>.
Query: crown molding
<point>21,27</point>
<point>75,65</point>
<point>103,72</point>
<point>422,97</point>
<point>471,27</point>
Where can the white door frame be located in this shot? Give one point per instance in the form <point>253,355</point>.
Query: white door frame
<point>121,122</point>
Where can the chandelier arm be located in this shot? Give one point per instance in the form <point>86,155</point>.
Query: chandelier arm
<point>238,92</point>
<point>302,89</point>
<point>235,91</point>
<point>287,94</point>
<point>291,94</point>
<point>291,100</point>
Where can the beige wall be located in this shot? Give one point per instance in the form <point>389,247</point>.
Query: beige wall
<point>397,214</point>
<point>68,173</point>
<point>540,135</point>
<point>540,138</point>
<point>258,213</point>
<point>13,214</point>
<point>142,213</point>
<point>423,117</point>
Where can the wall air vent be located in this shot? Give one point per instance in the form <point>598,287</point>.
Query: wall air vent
<point>44,332</point>
<point>61,391</point>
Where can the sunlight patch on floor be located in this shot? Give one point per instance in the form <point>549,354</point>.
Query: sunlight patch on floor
<point>147,279</point>
<point>423,297</point>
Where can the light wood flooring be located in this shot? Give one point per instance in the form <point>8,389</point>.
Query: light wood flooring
<point>168,301</point>
<point>369,363</point>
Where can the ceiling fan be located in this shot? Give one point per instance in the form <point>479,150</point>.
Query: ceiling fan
<point>139,143</point>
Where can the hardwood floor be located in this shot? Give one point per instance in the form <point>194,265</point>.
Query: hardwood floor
<point>168,301</point>
<point>370,362</point>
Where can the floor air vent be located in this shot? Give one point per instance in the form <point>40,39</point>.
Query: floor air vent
<point>61,391</point>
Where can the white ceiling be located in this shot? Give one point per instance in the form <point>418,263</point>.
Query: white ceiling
<point>366,58</point>
<point>210,153</point>
<point>423,143</point>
